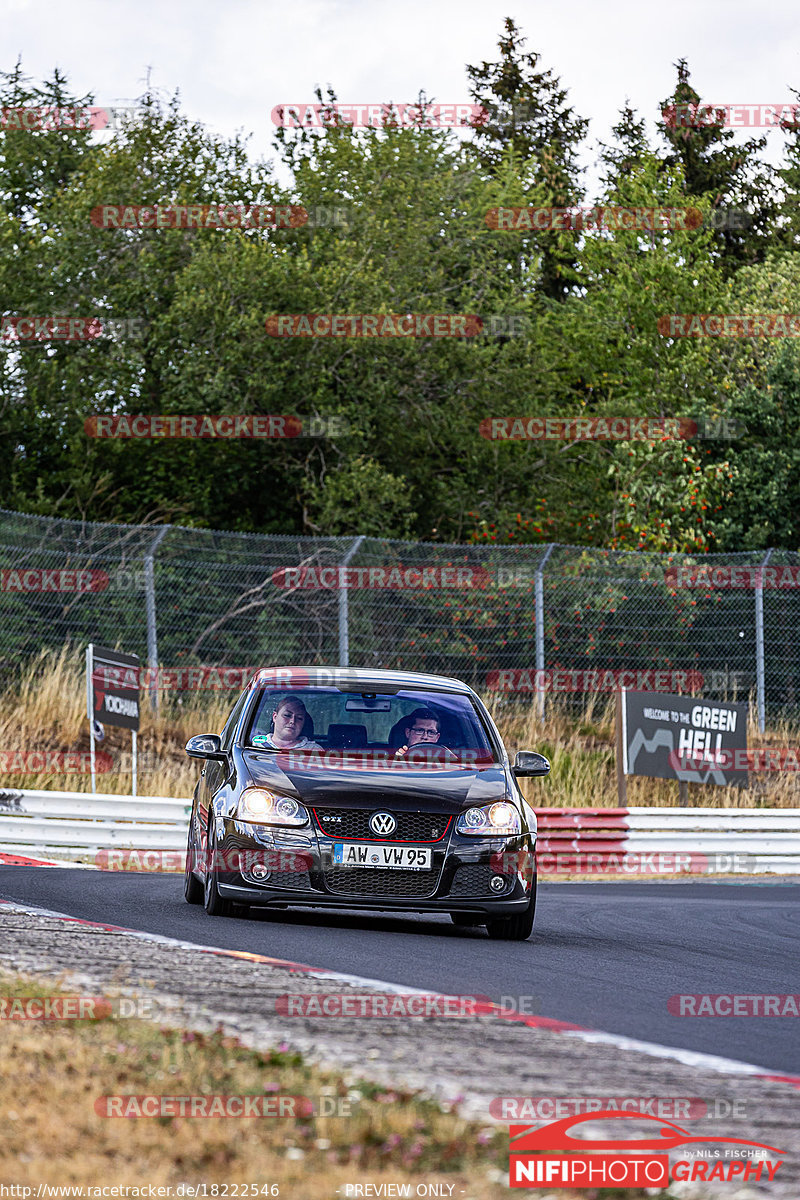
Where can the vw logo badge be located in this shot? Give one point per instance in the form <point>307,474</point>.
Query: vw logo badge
<point>382,823</point>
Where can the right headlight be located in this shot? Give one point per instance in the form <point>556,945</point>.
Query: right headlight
<point>489,820</point>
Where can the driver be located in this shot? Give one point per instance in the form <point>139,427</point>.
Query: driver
<point>423,728</point>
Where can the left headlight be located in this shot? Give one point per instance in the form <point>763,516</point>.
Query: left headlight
<point>266,808</point>
<point>498,818</point>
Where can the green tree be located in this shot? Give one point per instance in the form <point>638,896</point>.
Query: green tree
<point>732,175</point>
<point>527,113</point>
<point>764,508</point>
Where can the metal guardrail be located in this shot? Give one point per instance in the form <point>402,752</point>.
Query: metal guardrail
<point>747,841</point>
<point>79,824</point>
<point>74,825</point>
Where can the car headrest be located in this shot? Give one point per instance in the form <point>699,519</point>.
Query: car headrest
<point>397,734</point>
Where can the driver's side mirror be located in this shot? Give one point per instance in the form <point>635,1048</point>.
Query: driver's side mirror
<point>529,762</point>
<point>206,745</point>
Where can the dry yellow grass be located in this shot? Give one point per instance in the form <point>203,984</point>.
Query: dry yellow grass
<point>52,1072</point>
<point>46,710</point>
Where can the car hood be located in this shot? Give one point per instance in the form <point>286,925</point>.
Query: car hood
<point>446,789</point>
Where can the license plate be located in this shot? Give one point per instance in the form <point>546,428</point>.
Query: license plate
<point>354,854</point>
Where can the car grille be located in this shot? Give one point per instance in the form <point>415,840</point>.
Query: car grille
<point>472,879</point>
<point>354,823</point>
<point>357,881</point>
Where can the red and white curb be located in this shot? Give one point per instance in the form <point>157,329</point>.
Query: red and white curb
<point>22,860</point>
<point>687,1058</point>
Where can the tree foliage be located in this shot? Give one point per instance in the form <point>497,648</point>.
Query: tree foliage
<point>570,323</point>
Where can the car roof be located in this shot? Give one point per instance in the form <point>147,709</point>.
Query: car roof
<point>320,676</point>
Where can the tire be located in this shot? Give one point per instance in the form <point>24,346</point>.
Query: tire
<point>517,928</point>
<point>192,887</point>
<point>214,904</point>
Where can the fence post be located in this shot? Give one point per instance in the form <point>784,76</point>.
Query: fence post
<point>150,610</point>
<point>344,611</point>
<point>760,689</point>
<point>540,627</point>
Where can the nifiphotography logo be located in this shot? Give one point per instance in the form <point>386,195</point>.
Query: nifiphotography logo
<point>590,1162</point>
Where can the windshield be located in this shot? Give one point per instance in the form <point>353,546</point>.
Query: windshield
<point>418,727</point>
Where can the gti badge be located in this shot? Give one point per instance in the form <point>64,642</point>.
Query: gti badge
<point>382,823</point>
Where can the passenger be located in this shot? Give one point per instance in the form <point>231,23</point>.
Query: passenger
<point>288,720</point>
<point>423,728</point>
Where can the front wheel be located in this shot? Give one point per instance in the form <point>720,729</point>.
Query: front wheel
<point>517,928</point>
<point>215,904</point>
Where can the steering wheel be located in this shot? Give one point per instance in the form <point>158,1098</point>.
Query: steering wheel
<point>430,753</point>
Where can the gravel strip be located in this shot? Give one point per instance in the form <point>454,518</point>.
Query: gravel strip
<point>460,1060</point>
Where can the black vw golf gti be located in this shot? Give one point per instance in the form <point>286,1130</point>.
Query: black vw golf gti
<point>350,788</point>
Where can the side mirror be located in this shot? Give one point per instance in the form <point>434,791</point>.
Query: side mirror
<point>206,745</point>
<point>528,762</point>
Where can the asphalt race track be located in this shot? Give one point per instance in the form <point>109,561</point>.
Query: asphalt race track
<point>605,956</point>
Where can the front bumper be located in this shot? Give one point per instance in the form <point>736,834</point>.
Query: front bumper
<point>304,873</point>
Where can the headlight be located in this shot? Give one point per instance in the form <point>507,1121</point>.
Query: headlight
<point>500,817</point>
<point>265,808</point>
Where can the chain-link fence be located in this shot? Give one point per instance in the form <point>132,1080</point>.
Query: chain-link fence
<point>520,620</point>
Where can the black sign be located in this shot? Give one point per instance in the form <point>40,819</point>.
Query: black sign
<point>114,687</point>
<point>678,737</point>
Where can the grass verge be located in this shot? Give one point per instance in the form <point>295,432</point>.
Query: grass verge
<point>53,1072</point>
